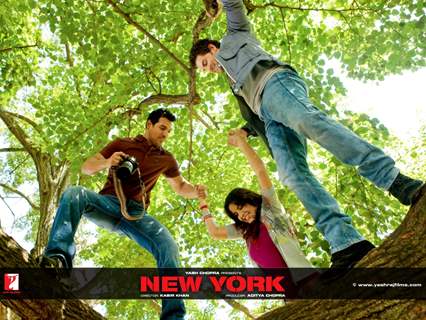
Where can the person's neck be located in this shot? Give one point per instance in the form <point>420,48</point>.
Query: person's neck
<point>146,136</point>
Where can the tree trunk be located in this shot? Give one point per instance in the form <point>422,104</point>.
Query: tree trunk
<point>52,175</point>
<point>12,255</point>
<point>3,312</point>
<point>52,181</point>
<point>404,248</point>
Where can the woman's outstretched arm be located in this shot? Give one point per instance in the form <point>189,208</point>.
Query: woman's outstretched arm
<point>238,138</point>
<point>215,231</point>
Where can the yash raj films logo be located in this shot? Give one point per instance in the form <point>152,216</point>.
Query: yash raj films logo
<point>11,282</point>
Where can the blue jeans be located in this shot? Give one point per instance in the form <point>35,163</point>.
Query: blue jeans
<point>290,118</point>
<point>104,210</point>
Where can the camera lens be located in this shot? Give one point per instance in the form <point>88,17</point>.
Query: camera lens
<point>126,168</point>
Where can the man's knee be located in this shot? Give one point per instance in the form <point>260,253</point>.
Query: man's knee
<point>168,254</point>
<point>73,193</point>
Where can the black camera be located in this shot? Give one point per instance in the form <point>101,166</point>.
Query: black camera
<point>126,167</point>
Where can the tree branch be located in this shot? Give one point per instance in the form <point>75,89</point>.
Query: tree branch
<point>191,131</point>
<point>166,99</point>
<point>153,99</point>
<point>211,119</point>
<point>156,306</point>
<point>286,34</point>
<point>18,132</point>
<point>251,7</point>
<point>149,72</point>
<point>202,22</point>
<point>154,40</point>
<point>24,118</point>
<point>18,47</point>
<point>169,99</point>
<point>11,149</point>
<point>11,189</point>
<point>240,307</point>
<point>10,209</point>
<point>17,257</point>
<point>71,64</point>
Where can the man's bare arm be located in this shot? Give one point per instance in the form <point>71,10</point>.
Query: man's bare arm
<point>98,162</point>
<point>184,188</point>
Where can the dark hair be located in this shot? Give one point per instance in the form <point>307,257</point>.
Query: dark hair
<point>155,116</point>
<point>240,197</point>
<point>201,47</point>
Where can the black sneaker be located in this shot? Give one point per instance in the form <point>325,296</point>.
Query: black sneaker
<point>348,257</point>
<point>342,261</point>
<point>57,262</point>
<point>56,267</point>
<point>419,194</point>
<point>405,189</point>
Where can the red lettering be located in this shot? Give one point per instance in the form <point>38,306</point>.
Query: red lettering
<point>190,283</point>
<point>274,284</point>
<point>256,282</point>
<point>241,284</point>
<point>217,283</point>
<point>153,285</point>
<point>169,284</point>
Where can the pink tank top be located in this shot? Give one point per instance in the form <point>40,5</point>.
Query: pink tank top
<point>266,255</point>
<point>264,252</point>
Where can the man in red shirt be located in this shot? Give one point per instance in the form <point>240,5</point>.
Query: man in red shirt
<point>103,208</point>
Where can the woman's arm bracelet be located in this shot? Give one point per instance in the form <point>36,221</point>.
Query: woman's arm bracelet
<point>204,206</point>
<point>206,215</point>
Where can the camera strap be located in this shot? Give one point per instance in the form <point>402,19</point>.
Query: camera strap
<point>122,197</point>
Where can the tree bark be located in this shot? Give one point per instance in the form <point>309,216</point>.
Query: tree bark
<point>52,177</point>
<point>404,248</point>
<point>12,255</point>
<point>52,180</point>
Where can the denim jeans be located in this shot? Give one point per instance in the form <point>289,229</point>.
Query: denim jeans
<point>290,118</point>
<point>104,210</point>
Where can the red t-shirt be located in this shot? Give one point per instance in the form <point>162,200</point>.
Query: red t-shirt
<point>153,161</point>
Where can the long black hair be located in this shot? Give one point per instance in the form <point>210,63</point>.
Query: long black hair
<point>240,197</point>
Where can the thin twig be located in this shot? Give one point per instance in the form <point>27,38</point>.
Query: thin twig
<point>10,209</point>
<point>286,34</point>
<point>18,47</point>
<point>12,149</point>
<point>211,119</point>
<point>132,22</point>
<point>19,164</point>
<point>71,64</point>
<point>251,7</point>
<point>11,189</point>
<point>191,131</point>
<point>148,72</point>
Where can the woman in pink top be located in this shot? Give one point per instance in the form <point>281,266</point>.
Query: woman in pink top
<point>261,221</point>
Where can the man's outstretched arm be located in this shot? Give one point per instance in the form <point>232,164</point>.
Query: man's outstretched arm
<point>98,162</point>
<point>236,17</point>
<point>184,188</point>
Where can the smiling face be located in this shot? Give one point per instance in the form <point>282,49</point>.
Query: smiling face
<point>245,213</point>
<point>207,62</point>
<point>157,133</point>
